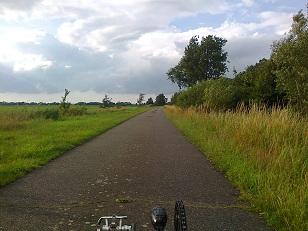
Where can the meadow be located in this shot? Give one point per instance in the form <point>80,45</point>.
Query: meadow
<point>31,136</point>
<point>264,153</point>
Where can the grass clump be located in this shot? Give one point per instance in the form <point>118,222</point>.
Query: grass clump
<point>264,153</point>
<point>29,140</point>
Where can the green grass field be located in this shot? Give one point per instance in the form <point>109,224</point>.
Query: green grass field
<point>264,154</point>
<point>28,140</point>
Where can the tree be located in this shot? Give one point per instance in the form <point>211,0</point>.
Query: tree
<point>64,105</point>
<point>150,101</point>
<point>106,102</point>
<point>174,98</point>
<point>201,61</point>
<point>140,99</point>
<point>290,57</point>
<point>210,94</point>
<point>213,59</point>
<point>258,83</point>
<point>220,94</point>
<point>160,100</point>
<point>192,97</point>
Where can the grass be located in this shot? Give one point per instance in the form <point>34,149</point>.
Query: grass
<point>28,140</point>
<point>264,154</point>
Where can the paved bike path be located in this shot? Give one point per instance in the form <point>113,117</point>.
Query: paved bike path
<point>144,162</point>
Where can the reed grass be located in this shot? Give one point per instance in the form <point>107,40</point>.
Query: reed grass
<point>263,153</point>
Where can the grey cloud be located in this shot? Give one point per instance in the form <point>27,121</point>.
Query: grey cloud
<point>84,70</point>
<point>24,5</point>
<point>113,24</point>
<point>12,82</point>
<point>81,63</point>
<point>243,52</point>
<point>152,80</point>
<point>103,48</point>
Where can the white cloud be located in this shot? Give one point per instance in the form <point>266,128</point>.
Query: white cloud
<point>30,61</point>
<point>279,20</point>
<point>14,9</point>
<point>11,37</point>
<point>249,3</point>
<point>122,47</point>
<point>157,44</point>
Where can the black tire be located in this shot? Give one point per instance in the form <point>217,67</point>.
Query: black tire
<point>180,223</point>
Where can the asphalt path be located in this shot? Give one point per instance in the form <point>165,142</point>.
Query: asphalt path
<point>143,162</point>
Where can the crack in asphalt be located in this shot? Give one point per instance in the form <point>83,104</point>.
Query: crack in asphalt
<point>134,200</point>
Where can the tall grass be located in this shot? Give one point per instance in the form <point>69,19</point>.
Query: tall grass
<point>28,140</point>
<point>13,115</point>
<point>264,153</point>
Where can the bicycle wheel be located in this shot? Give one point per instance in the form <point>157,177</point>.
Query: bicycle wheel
<point>180,223</point>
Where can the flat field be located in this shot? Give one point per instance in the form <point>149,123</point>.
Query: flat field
<point>31,136</point>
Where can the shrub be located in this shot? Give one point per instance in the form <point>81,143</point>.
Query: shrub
<point>192,97</point>
<point>76,111</point>
<point>49,113</point>
<point>218,94</point>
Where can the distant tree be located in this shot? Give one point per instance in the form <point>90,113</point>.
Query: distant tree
<point>106,102</point>
<point>140,99</point>
<point>201,61</point>
<point>161,100</point>
<point>150,101</point>
<point>64,105</point>
<point>290,57</point>
<point>174,98</point>
<point>119,104</point>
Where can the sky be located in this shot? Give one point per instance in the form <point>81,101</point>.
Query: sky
<point>124,47</point>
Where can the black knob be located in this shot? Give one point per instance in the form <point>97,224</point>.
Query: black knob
<point>159,218</point>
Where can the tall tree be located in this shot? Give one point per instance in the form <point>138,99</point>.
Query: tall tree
<point>290,57</point>
<point>149,101</point>
<point>160,100</point>
<point>201,61</point>
<point>64,105</point>
<point>258,84</point>
<point>106,102</point>
<point>140,99</point>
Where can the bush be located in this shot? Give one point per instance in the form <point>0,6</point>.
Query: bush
<point>218,94</point>
<point>192,97</point>
<point>76,111</point>
<point>49,113</point>
<point>42,112</point>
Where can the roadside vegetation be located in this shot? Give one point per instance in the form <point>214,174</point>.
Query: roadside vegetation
<point>280,80</point>
<point>253,126</point>
<point>264,154</point>
<point>31,136</point>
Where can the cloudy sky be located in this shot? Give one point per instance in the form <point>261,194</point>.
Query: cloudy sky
<point>124,47</point>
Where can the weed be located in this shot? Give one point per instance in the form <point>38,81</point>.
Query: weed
<point>264,153</point>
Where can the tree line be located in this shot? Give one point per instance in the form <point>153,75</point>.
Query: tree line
<point>281,80</point>
<point>4,103</point>
<point>160,100</point>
